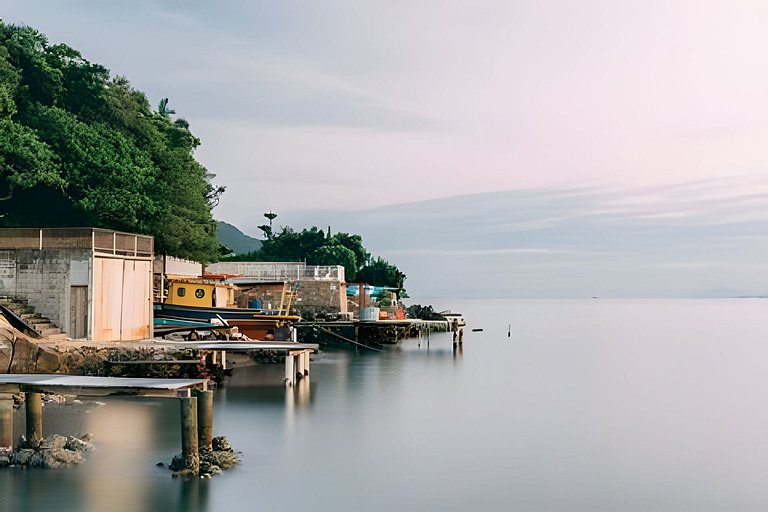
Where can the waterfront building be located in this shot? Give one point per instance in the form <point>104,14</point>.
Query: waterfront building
<point>93,283</point>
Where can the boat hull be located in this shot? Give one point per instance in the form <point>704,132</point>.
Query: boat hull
<point>254,323</point>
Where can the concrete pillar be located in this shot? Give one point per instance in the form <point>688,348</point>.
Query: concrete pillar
<point>461,335</point>
<point>306,362</point>
<point>34,404</point>
<point>189,446</point>
<point>223,360</point>
<point>205,418</point>
<point>290,373</point>
<point>6,421</point>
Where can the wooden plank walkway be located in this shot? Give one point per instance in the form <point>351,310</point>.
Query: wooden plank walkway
<point>240,345</point>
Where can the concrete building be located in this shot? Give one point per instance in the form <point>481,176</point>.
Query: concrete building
<point>317,287</point>
<point>92,283</point>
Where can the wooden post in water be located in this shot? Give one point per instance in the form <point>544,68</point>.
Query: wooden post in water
<point>6,420</point>
<point>205,419</point>
<point>34,406</point>
<point>304,362</point>
<point>189,446</point>
<point>290,373</point>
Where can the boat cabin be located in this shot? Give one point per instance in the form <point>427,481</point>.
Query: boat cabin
<point>200,294</point>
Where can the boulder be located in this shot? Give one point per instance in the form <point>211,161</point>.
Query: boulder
<point>224,460</point>
<point>54,442</point>
<point>185,465</point>
<point>48,360</point>
<point>22,457</point>
<point>76,445</point>
<point>61,457</point>
<point>221,444</point>
<point>5,457</point>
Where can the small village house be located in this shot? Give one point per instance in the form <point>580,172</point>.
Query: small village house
<point>94,284</point>
<point>260,283</point>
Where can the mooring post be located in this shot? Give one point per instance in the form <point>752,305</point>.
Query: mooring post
<point>189,446</point>
<point>205,419</point>
<point>6,420</point>
<point>306,362</point>
<point>290,373</point>
<point>34,405</point>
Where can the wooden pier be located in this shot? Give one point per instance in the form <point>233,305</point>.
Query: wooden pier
<point>195,410</point>
<point>369,335</point>
<point>296,354</point>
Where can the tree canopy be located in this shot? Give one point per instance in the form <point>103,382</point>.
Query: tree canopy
<point>79,147</point>
<point>316,247</point>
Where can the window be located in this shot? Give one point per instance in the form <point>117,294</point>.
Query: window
<point>199,293</point>
<point>181,292</point>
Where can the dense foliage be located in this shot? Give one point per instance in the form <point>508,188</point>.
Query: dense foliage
<point>315,247</point>
<point>81,148</point>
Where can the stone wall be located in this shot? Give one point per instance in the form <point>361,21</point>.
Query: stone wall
<point>325,296</point>
<point>322,295</point>
<point>268,293</point>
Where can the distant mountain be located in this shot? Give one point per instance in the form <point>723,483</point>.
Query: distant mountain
<point>233,238</point>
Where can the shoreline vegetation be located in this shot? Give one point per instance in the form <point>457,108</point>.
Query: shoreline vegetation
<point>81,147</point>
<point>91,149</point>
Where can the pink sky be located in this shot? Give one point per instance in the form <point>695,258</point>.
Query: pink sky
<point>361,103</point>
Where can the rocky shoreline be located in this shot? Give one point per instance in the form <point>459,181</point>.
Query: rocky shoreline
<point>210,462</point>
<point>50,452</point>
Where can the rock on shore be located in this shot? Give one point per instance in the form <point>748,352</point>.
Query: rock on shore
<point>210,462</point>
<point>51,452</point>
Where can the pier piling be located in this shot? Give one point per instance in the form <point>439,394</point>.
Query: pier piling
<point>34,406</point>
<point>290,374</point>
<point>6,420</point>
<point>205,419</point>
<point>189,438</point>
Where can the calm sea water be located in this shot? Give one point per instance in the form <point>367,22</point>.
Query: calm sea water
<point>591,405</point>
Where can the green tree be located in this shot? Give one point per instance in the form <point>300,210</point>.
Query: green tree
<point>335,255</point>
<point>355,244</point>
<point>380,272</point>
<point>290,245</point>
<point>87,149</point>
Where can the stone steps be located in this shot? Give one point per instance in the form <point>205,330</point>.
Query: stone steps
<point>40,323</point>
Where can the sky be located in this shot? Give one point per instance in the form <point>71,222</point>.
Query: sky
<point>311,109</point>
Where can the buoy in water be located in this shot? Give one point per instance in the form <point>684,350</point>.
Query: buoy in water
<point>477,330</point>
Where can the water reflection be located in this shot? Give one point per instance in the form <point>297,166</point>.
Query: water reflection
<point>297,398</point>
<point>615,406</point>
<point>193,495</point>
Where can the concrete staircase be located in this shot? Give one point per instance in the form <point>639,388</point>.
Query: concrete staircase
<point>40,323</point>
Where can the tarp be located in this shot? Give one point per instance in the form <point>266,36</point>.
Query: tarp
<point>371,291</point>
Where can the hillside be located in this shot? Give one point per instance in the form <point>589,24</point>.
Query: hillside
<point>233,238</point>
<point>80,147</point>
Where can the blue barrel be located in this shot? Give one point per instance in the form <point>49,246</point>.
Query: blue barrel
<point>254,303</point>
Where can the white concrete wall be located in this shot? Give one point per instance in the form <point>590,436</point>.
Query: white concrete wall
<point>179,267</point>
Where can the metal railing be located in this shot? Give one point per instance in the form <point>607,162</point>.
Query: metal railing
<point>278,271</point>
<point>100,241</point>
